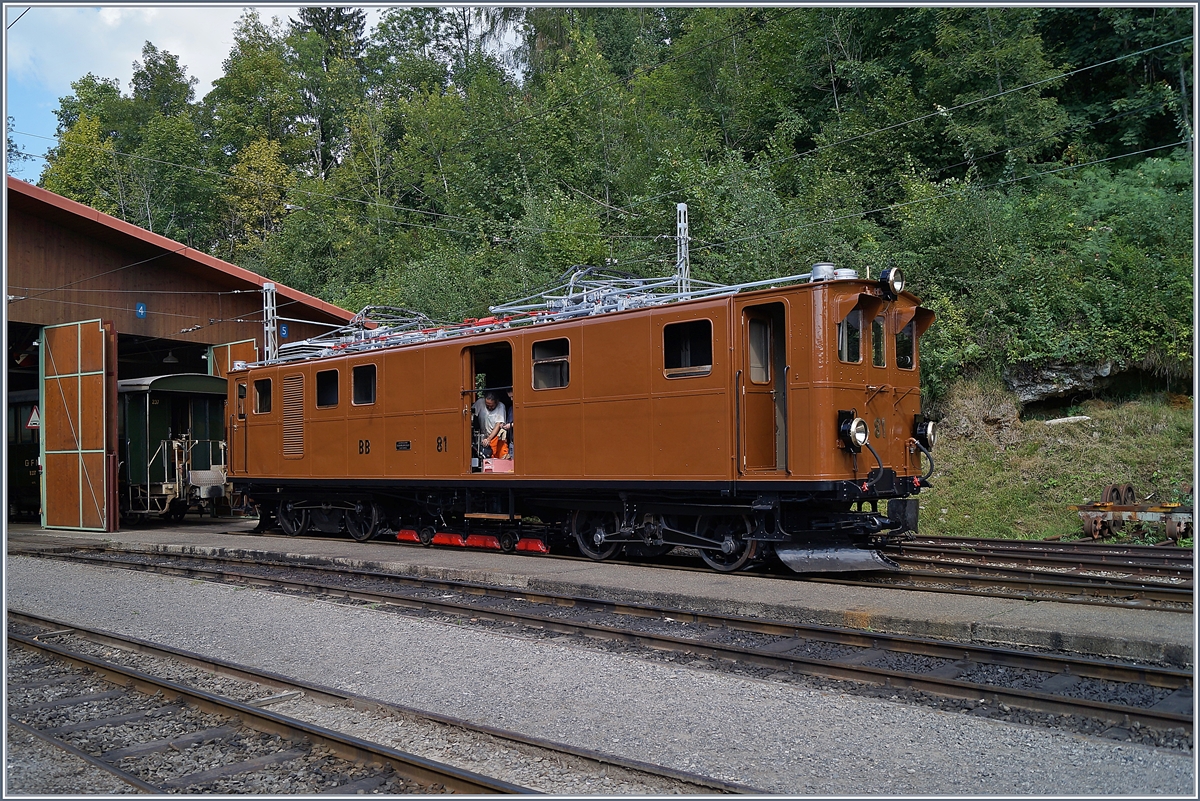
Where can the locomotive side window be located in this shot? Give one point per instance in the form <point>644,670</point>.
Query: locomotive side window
<point>327,389</point>
<point>687,349</point>
<point>241,401</point>
<point>906,347</point>
<point>551,363</point>
<point>262,396</point>
<point>760,351</point>
<point>12,423</point>
<point>364,384</point>
<point>878,357</point>
<point>849,333</point>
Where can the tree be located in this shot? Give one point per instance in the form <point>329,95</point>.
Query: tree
<point>80,167</point>
<point>160,83</point>
<point>256,97</point>
<point>340,28</point>
<point>255,193</point>
<point>13,153</point>
<point>92,97</point>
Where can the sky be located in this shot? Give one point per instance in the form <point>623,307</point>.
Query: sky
<point>50,46</point>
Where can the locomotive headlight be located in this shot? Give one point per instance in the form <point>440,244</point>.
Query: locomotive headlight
<point>892,280</point>
<point>926,434</point>
<point>854,433</point>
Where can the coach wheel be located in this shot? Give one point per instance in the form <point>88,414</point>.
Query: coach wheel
<point>176,510</point>
<point>425,535</point>
<point>591,530</point>
<point>362,522</point>
<point>292,520</point>
<point>1128,496</point>
<point>729,530</point>
<point>508,540</point>
<point>128,518</point>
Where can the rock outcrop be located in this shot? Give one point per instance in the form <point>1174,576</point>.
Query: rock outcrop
<point>1057,380</point>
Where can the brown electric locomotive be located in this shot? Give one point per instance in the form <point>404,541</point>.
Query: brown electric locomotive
<point>636,414</point>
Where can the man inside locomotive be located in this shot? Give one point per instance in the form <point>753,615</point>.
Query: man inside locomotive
<point>493,421</point>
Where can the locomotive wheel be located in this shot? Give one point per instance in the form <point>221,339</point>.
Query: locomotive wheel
<point>425,535</point>
<point>731,530</point>
<point>1128,496</point>
<point>508,540</point>
<point>362,522</point>
<point>293,521</point>
<point>586,525</point>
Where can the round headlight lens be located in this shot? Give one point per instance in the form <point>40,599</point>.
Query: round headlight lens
<point>894,280</point>
<point>927,434</point>
<point>858,431</point>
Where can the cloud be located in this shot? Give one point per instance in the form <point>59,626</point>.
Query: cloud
<point>50,47</point>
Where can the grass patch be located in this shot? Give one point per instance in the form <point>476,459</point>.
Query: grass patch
<point>1002,476</point>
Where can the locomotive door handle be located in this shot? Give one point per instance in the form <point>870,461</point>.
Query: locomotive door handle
<point>737,425</point>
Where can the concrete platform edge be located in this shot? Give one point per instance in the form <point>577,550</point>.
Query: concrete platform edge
<point>982,632</point>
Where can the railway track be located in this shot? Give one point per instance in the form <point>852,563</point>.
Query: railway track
<point>1104,696</point>
<point>369,768</point>
<point>160,736</point>
<point>1105,587</point>
<point>1143,563</point>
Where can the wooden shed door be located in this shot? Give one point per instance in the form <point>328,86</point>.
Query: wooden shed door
<point>222,357</point>
<point>78,420</point>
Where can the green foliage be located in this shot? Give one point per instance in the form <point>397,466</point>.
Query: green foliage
<point>999,475</point>
<point>416,164</point>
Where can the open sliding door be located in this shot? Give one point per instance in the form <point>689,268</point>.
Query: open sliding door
<point>78,398</point>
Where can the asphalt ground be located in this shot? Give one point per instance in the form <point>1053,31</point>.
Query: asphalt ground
<point>1137,635</point>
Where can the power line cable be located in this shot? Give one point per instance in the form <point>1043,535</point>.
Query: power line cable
<point>327,196</point>
<point>18,19</point>
<point>938,112</point>
<point>965,190</point>
<point>99,275</point>
<point>940,170</point>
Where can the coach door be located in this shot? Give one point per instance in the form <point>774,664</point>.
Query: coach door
<point>763,389</point>
<point>79,420</point>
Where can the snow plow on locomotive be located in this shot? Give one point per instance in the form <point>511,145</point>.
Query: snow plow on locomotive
<point>778,418</point>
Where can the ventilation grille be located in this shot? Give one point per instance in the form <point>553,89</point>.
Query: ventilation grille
<point>293,416</point>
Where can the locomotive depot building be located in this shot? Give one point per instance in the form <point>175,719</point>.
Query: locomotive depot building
<point>93,300</point>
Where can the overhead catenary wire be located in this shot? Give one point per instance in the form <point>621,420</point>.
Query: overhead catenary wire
<point>327,196</point>
<point>963,191</point>
<point>935,113</point>
<point>1078,126</point>
<point>523,120</point>
<point>538,229</point>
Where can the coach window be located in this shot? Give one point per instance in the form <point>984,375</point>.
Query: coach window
<point>364,385</point>
<point>878,357</point>
<point>849,333</point>
<point>551,363</point>
<point>262,396</point>
<point>327,389</point>
<point>906,347</point>
<point>687,349</point>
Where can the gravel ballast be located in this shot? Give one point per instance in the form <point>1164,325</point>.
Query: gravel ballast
<point>773,736</point>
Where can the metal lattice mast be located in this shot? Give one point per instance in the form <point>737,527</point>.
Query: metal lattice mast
<point>683,267</point>
<point>270,322</point>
